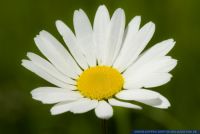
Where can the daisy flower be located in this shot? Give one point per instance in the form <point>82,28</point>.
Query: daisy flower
<point>104,65</point>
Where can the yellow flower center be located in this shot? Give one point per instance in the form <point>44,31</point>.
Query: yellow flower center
<point>100,82</point>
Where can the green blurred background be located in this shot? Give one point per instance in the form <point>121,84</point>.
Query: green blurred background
<point>21,20</point>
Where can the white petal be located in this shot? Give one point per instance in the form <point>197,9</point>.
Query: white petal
<point>82,24</point>
<point>43,74</point>
<point>136,94</point>
<point>158,50</point>
<point>153,71</point>
<point>73,106</point>
<point>57,54</point>
<point>164,102</point>
<point>116,32</point>
<point>131,32</point>
<point>84,34</point>
<point>134,46</point>
<point>61,107</point>
<point>50,95</point>
<point>71,43</point>
<point>157,80</point>
<point>115,102</point>
<point>49,68</point>
<point>169,66</point>
<point>104,110</point>
<point>148,97</point>
<point>133,27</point>
<point>83,105</point>
<point>101,26</point>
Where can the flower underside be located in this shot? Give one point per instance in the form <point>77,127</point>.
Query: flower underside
<point>100,82</point>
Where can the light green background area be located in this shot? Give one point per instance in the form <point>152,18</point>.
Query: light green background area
<point>21,20</point>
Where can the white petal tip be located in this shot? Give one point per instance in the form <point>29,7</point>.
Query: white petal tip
<point>119,9</point>
<point>58,22</point>
<point>165,103</point>
<point>153,25</point>
<point>75,12</point>
<point>103,117</point>
<point>53,112</point>
<point>43,34</point>
<point>25,63</point>
<point>104,110</point>
<point>29,54</point>
<point>138,108</point>
<point>61,27</point>
<point>138,17</point>
<point>37,38</point>
<point>102,6</point>
<point>24,60</point>
<point>150,25</point>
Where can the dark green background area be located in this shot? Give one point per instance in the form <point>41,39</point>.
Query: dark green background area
<point>21,20</point>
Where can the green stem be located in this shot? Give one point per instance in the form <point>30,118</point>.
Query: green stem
<point>104,127</point>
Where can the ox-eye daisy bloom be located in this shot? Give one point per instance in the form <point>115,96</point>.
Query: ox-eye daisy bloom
<point>104,65</point>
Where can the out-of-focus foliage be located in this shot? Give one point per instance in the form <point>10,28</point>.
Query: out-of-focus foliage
<point>21,20</point>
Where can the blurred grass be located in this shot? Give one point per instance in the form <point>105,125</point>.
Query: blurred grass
<point>21,20</point>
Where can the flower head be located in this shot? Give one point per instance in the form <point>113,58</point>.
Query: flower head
<point>104,65</point>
